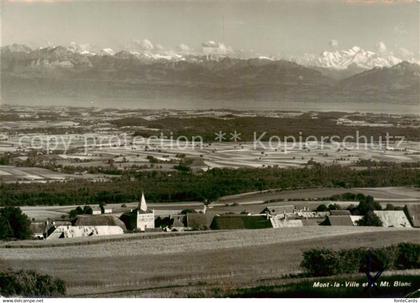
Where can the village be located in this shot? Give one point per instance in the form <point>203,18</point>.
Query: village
<point>114,220</point>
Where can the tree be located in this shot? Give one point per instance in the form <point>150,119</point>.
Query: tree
<point>351,208</point>
<point>30,284</point>
<point>370,219</point>
<point>102,207</point>
<point>408,255</point>
<point>86,210</point>
<point>390,207</point>
<point>322,208</point>
<point>334,207</point>
<point>366,206</point>
<point>14,224</point>
<point>182,168</point>
<point>5,229</point>
<point>163,222</point>
<point>130,220</point>
<point>188,211</point>
<point>320,262</point>
<point>4,160</point>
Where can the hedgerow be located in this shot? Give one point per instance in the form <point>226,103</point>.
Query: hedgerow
<point>327,262</point>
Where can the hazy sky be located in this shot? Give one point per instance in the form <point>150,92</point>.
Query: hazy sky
<point>284,27</point>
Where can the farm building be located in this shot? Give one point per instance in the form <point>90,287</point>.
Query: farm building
<point>166,212</point>
<point>178,221</point>
<point>393,218</point>
<point>39,230</point>
<point>278,209</point>
<point>103,220</point>
<point>313,214</point>
<point>340,212</point>
<point>57,223</point>
<point>96,210</point>
<point>312,221</point>
<point>145,217</point>
<point>240,222</point>
<point>355,219</point>
<point>107,210</point>
<point>89,226</point>
<point>414,214</point>
<point>338,221</point>
<point>84,231</point>
<point>199,220</point>
<point>279,222</point>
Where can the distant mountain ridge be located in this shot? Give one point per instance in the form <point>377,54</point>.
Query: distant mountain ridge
<point>355,56</point>
<point>400,78</point>
<point>78,73</point>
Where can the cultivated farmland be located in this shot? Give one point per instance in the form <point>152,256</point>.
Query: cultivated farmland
<point>189,263</point>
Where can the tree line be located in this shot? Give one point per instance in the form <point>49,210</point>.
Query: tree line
<point>327,262</point>
<point>205,186</point>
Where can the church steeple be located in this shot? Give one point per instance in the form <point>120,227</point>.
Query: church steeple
<point>145,217</point>
<point>142,203</point>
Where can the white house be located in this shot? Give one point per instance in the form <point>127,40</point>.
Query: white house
<point>145,217</point>
<point>107,210</point>
<point>96,210</point>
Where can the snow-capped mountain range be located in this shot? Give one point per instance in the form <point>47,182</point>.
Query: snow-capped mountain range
<point>218,73</point>
<point>355,57</point>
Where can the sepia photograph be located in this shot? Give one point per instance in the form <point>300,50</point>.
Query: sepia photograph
<point>209,149</point>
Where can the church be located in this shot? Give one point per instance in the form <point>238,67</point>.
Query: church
<point>145,217</point>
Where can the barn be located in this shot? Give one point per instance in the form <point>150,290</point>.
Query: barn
<point>177,221</point>
<point>84,231</point>
<point>393,218</point>
<point>340,212</point>
<point>338,221</point>
<point>199,221</point>
<point>89,226</point>
<point>355,219</point>
<point>280,222</point>
<point>102,220</point>
<point>413,211</point>
<point>241,222</point>
<point>39,230</point>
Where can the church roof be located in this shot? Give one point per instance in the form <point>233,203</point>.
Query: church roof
<point>142,204</point>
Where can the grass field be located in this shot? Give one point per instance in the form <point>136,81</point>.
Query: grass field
<point>251,201</point>
<point>404,284</point>
<point>191,263</point>
<point>381,194</point>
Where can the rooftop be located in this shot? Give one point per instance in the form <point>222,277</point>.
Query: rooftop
<point>414,213</point>
<point>340,220</point>
<point>102,220</point>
